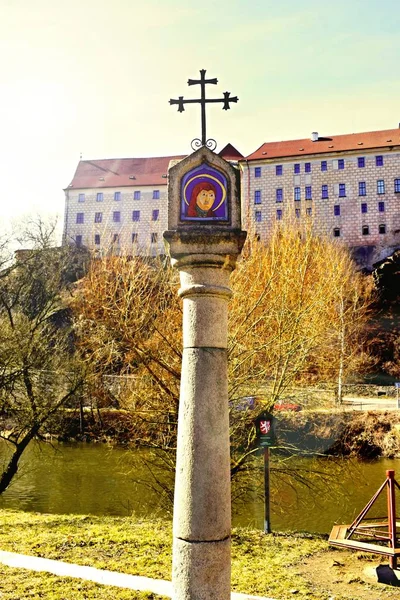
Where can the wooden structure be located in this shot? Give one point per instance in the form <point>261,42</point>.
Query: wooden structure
<point>376,535</point>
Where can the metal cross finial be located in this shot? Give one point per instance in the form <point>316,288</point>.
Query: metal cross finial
<point>196,143</point>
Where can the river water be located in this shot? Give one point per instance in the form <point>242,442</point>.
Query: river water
<point>102,480</point>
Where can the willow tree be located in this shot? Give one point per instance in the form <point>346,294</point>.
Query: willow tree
<point>345,351</point>
<point>298,314</point>
<point>128,322</point>
<point>285,315</point>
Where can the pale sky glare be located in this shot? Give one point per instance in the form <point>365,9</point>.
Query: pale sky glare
<point>95,77</point>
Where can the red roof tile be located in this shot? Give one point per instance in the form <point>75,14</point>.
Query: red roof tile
<point>325,144</point>
<point>120,172</point>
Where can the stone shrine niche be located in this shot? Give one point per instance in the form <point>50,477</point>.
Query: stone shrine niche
<point>203,193</point>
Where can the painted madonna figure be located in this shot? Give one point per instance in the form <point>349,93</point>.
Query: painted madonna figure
<point>202,200</point>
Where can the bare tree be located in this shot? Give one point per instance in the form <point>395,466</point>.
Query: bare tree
<point>39,373</point>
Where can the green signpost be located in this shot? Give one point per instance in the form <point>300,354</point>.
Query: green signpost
<point>265,427</point>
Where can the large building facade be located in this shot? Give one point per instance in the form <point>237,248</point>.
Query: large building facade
<point>348,185</point>
<point>117,205</point>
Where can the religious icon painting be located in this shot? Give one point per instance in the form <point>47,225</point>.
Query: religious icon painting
<point>204,195</point>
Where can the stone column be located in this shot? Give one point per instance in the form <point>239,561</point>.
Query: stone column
<point>205,257</point>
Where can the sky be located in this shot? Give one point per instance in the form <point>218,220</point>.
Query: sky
<point>93,78</point>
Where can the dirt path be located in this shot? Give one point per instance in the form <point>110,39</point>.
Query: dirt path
<point>345,575</point>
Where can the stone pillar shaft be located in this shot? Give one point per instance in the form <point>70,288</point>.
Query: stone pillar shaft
<point>202,509</point>
<point>204,239</point>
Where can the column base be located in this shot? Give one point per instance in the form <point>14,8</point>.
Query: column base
<point>201,570</point>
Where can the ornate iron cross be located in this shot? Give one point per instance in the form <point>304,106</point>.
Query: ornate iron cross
<point>197,143</point>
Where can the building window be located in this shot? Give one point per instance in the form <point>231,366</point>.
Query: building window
<point>297,193</point>
<point>396,186</point>
<point>257,172</point>
<point>362,188</point>
<point>324,192</point>
<point>340,164</point>
<point>80,218</point>
<point>136,195</point>
<point>309,211</point>
<point>365,230</point>
<point>81,198</point>
<point>279,214</point>
<point>99,197</point>
<point>307,167</point>
<point>361,162</point>
<point>257,216</point>
<point>324,165</point>
<point>154,238</point>
<point>379,161</point>
<point>336,210</point>
<point>308,192</point>
<point>278,170</point>
<point>97,239</point>
<point>380,186</point>
<point>117,195</point>
<point>98,217</point>
<point>155,214</point>
<point>115,238</point>
<point>135,238</point>
<point>156,194</point>
<point>116,216</point>
<point>257,197</point>
<point>297,168</point>
<point>364,207</point>
<point>336,232</point>
<point>382,228</point>
<point>297,213</point>
<point>342,190</point>
<point>136,215</point>
<point>78,240</point>
<point>279,195</point>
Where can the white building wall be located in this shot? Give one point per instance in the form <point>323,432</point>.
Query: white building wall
<point>146,228</point>
<point>349,223</point>
<point>351,219</point>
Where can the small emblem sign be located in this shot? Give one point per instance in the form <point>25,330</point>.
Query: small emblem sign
<point>265,426</point>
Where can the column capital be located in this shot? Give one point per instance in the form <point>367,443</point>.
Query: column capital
<point>199,248</point>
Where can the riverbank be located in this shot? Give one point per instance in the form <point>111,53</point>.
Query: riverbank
<point>365,435</point>
<point>278,565</point>
<point>360,434</point>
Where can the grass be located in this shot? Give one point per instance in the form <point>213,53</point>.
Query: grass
<point>261,565</point>
<point>281,566</point>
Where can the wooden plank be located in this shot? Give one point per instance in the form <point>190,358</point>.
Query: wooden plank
<point>338,532</point>
<point>365,547</point>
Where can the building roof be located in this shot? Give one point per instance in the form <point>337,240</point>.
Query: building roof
<point>122,172</point>
<point>230,153</point>
<point>328,144</point>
